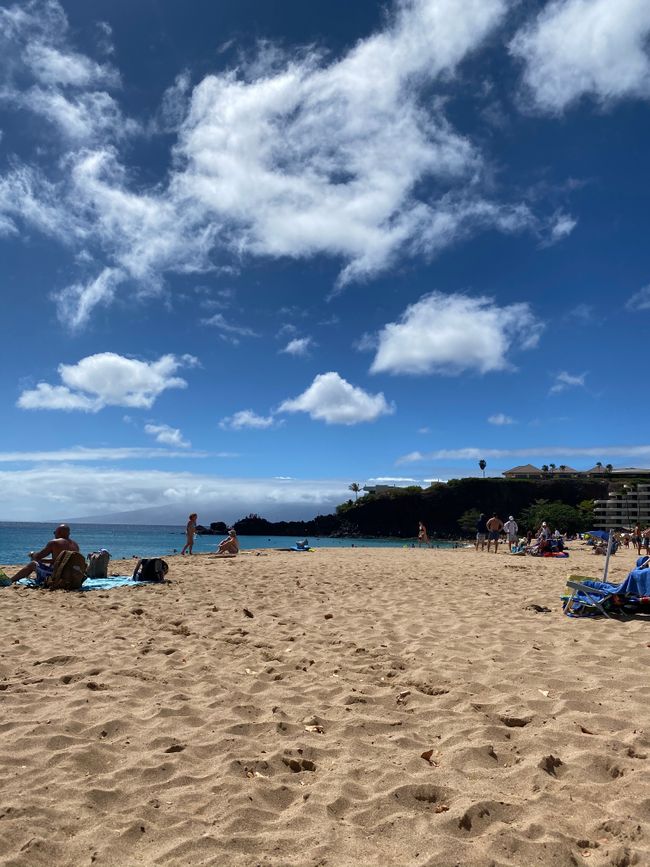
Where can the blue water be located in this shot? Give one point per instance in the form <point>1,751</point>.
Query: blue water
<point>125,540</point>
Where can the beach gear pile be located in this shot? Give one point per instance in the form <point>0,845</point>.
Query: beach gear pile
<point>586,597</point>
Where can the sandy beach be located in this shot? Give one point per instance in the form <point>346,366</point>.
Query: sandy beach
<point>274,710</point>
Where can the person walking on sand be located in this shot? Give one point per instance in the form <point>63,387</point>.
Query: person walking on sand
<point>636,539</point>
<point>494,527</point>
<point>42,562</point>
<point>512,531</point>
<point>481,532</point>
<point>190,532</point>
<point>423,536</point>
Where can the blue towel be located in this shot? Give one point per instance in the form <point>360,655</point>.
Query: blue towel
<point>98,583</point>
<point>636,584</point>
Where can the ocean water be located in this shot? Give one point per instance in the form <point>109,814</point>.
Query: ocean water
<point>126,540</point>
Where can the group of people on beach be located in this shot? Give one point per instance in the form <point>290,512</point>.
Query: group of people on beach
<point>41,563</point>
<point>229,547</point>
<point>489,532</point>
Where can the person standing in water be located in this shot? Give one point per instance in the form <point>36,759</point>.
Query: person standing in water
<point>423,536</point>
<point>190,532</point>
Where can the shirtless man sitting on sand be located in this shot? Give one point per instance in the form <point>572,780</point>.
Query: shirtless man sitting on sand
<point>42,562</point>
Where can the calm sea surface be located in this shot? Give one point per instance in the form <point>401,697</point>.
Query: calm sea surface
<point>126,540</point>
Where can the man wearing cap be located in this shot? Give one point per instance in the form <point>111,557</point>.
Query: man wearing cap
<point>42,562</point>
<point>512,531</point>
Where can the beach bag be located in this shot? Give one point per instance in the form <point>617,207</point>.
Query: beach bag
<point>98,564</point>
<point>153,569</point>
<point>69,572</point>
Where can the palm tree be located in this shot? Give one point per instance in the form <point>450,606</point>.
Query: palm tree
<point>482,465</point>
<point>355,487</point>
<point>599,465</point>
<point>563,467</point>
<point>552,466</point>
<point>544,468</point>
<point>608,468</point>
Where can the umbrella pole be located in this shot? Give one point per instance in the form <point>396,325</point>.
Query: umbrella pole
<point>610,542</point>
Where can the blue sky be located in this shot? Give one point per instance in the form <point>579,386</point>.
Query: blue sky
<point>254,253</point>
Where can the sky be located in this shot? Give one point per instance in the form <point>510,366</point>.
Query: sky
<point>255,251</point>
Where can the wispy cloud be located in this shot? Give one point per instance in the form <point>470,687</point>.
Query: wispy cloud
<point>100,454</point>
<point>227,330</point>
<point>246,418</point>
<point>289,156</point>
<point>640,300</point>
<point>472,453</point>
<point>298,346</point>
<point>500,418</point>
<point>564,380</point>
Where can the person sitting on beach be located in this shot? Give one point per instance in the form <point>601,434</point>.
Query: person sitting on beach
<point>190,532</point>
<point>42,562</point>
<point>229,546</point>
<point>494,527</point>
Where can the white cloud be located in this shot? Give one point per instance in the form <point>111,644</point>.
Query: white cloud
<point>561,227</point>
<point>582,312</point>
<point>474,454</point>
<point>564,380</point>
<point>586,47</point>
<point>228,331</point>
<point>42,73</point>
<point>169,436</point>
<point>246,418</point>
<point>98,454</point>
<point>76,303</point>
<point>108,379</point>
<point>640,300</point>
<point>332,399</point>
<point>44,493</point>
<point>453,333</point>
<point>500,418</point>
<point>289,156</point>
<point>298,346</point>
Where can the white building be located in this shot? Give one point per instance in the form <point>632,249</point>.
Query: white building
<point>623,508</point>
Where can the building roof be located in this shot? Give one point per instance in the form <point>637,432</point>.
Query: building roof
<point>565,471</point>
<point>596,469</point>
<point>527,469</point>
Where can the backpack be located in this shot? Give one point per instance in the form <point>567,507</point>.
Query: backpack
<point>153,569</point>
<point>69,572</point>
<point>98,564</point>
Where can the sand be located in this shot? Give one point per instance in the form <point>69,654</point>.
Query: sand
<point>274,709</point>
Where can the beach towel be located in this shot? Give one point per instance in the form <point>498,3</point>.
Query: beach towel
<point>96,583</point>
<point>633,591</point>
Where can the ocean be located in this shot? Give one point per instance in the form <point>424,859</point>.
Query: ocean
<point>131,540</point>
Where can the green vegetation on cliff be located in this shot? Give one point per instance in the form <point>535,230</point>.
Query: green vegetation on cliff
<point>448,510</point>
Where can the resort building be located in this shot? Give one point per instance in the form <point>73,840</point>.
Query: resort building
<point>624,508</point>
<point>551,471</point>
